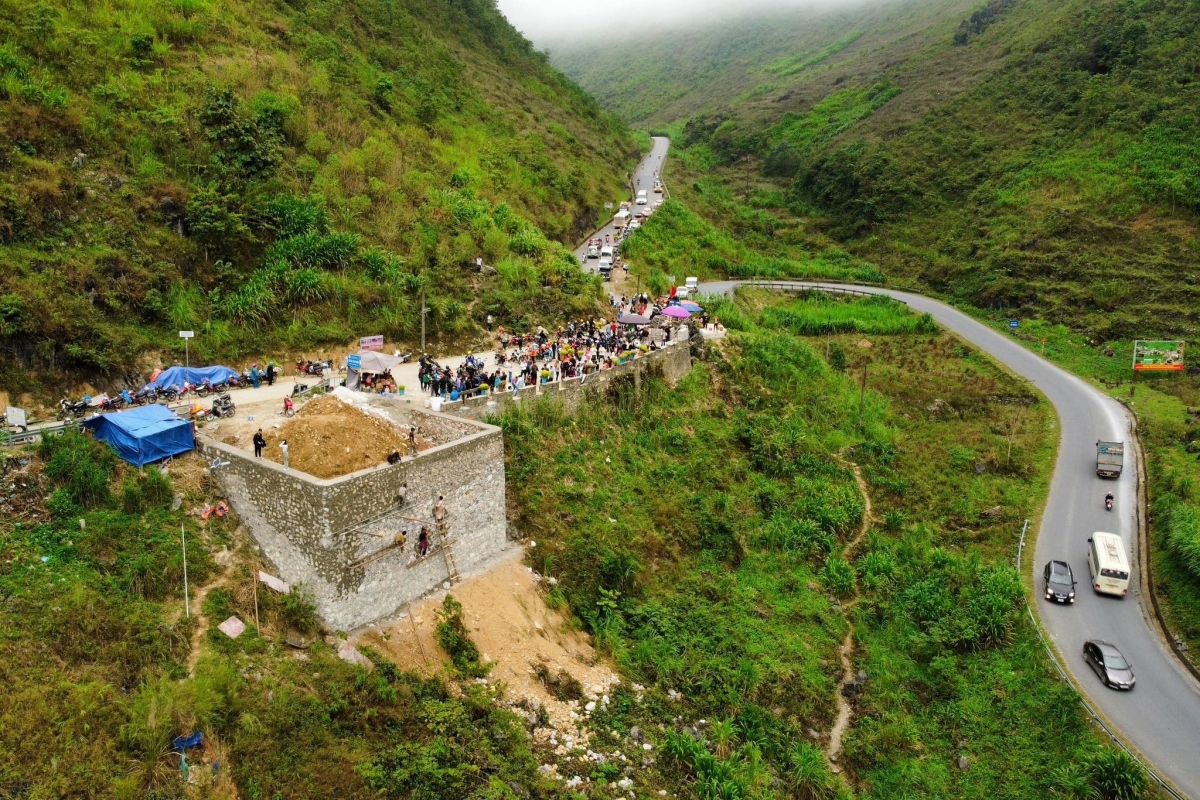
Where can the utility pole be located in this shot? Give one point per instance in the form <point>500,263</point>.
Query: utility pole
<point>862,397</point>
<point>187,606</point>
<point>424,311</point>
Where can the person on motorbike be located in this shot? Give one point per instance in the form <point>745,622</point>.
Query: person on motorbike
<point>1108,501</point>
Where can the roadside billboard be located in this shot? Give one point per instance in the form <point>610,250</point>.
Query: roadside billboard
<point>1158,355</point>
<point>370,343</point>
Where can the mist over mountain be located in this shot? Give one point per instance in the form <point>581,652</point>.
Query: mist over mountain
<point>1026,156</point>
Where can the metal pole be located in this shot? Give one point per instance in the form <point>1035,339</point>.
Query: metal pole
<point>187,603</point>
<point>423,312</point>
<point>187,361</point>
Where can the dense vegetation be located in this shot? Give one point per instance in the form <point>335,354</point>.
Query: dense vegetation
<point>1030,158</point>
<point>675,241</point>
<point>280,176</point>
<point>701,534</point>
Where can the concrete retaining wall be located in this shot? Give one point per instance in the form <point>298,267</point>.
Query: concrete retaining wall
<point>674,359</point>
<point>306,527</point>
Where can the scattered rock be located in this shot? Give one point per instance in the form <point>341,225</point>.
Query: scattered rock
<point>1108,351</point>
<point>963,763</point>
<point>232,627</point>
<point>992,512</point>
<point>349,653</point>
<point>298,640</point>
<point>79,160</point>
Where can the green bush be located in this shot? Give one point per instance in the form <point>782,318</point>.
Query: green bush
<point>453,637</point>
<point>80,465</point>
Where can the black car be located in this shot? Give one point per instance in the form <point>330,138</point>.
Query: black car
<point>1107,661</point>
<point>1058,582</point>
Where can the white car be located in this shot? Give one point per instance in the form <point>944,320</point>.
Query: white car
<point>641,201</point>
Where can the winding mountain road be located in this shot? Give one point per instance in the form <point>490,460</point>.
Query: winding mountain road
<point>642,178</point>
<point>1161,716</point>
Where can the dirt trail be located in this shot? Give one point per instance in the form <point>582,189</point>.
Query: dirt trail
<point>842,722</point>
<point>197,602</point>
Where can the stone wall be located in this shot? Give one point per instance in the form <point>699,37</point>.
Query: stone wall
<point>329,534</point>
<point>674,359</point>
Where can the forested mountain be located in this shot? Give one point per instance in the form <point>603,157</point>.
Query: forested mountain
<point>280,174</point>
<point>1032,157</point>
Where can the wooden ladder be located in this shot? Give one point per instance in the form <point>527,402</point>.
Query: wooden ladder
<point>448,553</point>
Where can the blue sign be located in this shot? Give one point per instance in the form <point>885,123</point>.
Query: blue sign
<point>1013,323</point>
<point>354,361</point>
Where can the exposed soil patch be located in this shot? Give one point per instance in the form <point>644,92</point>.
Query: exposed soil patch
<point>533,651</point>
<point>328,438</point>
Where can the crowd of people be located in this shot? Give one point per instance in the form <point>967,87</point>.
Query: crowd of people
<point>575,351</point>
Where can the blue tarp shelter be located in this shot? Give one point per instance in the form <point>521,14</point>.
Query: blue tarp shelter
<point>145,434</point>
<point>177,376</point>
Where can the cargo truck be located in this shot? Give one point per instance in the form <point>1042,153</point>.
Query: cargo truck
<point>1110,458</point>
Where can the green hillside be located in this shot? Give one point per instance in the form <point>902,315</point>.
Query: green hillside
<point>281,175</point>
<point>1031,158</point>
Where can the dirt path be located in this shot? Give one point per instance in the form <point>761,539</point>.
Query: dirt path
<point>842,722</point>
<point>197,602</point>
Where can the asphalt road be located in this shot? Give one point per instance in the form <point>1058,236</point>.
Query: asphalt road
<point>643,178</point>
<point>1161,716</point>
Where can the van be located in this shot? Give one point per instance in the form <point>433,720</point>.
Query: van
<point>1108,564</point>
<point>692,284</point>
<point>606,253</point>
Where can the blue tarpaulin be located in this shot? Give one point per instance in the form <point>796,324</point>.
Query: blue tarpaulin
<point>145,434</point>
<point>177,376</point>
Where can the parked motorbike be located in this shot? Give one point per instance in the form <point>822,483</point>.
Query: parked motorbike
<point>222,406</point>
<point>72,409</point>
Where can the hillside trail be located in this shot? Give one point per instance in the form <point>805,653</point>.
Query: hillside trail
<point>844,711</point>
<point>197,602</point>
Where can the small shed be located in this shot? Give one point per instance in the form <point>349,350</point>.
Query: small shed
<point>145,434</point>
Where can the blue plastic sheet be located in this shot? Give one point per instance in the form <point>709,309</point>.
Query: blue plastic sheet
<point>145,434</point>
<point>177,376</point>
<point>184,742</point>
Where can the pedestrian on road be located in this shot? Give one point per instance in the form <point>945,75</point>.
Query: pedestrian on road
<point>283,448</point>
<point>270,373</point>
<point>255,378</point>
<point>259,443</point>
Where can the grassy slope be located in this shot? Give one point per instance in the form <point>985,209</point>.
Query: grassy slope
<point>433,132</point>
<point>698,533</point>
<point>1038,168</point>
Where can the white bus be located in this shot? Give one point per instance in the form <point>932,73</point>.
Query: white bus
<point>1108,563</point>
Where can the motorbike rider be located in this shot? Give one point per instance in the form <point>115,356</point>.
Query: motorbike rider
<point>1108,500</point>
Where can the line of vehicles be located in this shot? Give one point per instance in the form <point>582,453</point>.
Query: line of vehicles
<point>1108,569</point>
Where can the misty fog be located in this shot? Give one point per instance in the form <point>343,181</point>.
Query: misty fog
<point>546,22</point>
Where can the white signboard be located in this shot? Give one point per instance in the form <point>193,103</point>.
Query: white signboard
<point>15,417</point>
<point>187,334</point>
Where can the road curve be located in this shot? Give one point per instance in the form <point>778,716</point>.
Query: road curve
<point>642,178</point>
<point>1161,716</point>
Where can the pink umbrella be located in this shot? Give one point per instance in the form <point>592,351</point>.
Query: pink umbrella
<point>678,312</point>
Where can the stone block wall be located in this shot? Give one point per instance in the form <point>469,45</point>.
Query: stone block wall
<point>674,359</point>
<point>328,535</point>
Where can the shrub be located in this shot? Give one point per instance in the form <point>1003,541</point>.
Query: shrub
<point>81,465</point>
<point>838,576</point>
<point>299,609</point>
<point>453,637</point>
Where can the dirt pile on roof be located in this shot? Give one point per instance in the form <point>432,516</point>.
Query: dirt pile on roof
<point>328,438</point>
